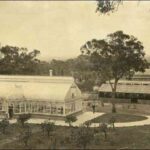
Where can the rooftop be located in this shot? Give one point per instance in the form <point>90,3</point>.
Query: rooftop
<point>43,88</point>
<point>26,78</point>
<point>125,88</point>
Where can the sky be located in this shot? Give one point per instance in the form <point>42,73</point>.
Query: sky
<point>59,28</point>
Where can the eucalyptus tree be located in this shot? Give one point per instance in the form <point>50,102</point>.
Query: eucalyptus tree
<point>119,55</point>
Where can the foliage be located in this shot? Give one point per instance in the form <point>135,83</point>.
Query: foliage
<point>48,127</point>
<point>80,69</point>
<point>25,134</point>
<point>4,125</point>
<point>15,60</point>
<point>87,124</point>
<point>107,6</point>
<point>104,128</point>
<point>83,136</point>
<point>70,119</point>
<point>119,55</point>
<point>22,118</point>
<point>112,121</point>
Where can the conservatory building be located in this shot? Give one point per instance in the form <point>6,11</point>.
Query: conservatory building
<point>40,96</point>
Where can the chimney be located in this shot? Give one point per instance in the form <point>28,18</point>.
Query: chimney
<point>50,73</point>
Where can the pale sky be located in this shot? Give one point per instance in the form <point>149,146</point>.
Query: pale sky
<point>59,28</point>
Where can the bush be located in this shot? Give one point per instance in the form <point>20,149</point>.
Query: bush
<point>97,139</point>
<point>83,136</point>
<point>70,119</point>
<point>47,127</point>
<point>25,134</point>
<point>103,128</point>
<point>112,121</point>
<point>3,125</point>
<point>23,118</point>
<point>87,123</point>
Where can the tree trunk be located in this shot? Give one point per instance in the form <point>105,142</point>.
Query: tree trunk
<point>105,135</point>
<point>84,146</point>
<point>114,96</point>
<point>113,125</point>
<point>113,102</point>
<point>48,133</point>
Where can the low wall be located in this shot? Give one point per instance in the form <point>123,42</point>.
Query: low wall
<point>54,117</point>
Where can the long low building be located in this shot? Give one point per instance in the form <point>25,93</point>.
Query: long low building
<point>39,95</point>
<point>136,89</point>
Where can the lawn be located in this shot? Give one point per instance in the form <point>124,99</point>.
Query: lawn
<point>131,137</point>
<point>119,117</point>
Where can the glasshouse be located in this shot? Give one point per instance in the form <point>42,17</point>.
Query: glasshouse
<point>39,95</point>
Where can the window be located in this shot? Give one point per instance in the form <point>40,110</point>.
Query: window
<point>73,95</point>
<point>53,110</point>
<point>40,109</point>
<point>28,107</point>
<point>60,110</point>
<point>22,107</point>
<point>17,108</point>
<point>1,105</point>
<point>34,107</point>
<point>48,109</point>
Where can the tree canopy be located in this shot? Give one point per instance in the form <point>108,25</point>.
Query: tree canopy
<point>15,60</point>
<point>107,6</point>
<point>116,56</point>
<point>119,55</point>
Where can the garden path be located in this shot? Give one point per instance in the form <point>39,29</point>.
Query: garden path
<point>88,116</point>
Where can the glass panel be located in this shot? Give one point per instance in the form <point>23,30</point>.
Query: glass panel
<point>60,110</point>
<point>22,107</point>
<point>28,107</point>
<point>1,104</point>
<point>53,110</point>
<point>40,108</point>
<point>16,108</point>
<point>48,108</point>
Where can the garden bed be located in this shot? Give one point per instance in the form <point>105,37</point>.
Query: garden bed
<point>119,117</point>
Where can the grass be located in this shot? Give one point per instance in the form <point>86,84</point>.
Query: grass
<point>131,138</point>
<point>119,117</point>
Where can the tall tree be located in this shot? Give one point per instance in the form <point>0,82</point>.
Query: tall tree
<point>115,57</point>
<point>15,60</point>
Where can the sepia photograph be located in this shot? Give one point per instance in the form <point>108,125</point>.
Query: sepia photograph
<point>75,74</point>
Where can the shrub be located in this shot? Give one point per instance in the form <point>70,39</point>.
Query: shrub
<point>48,127</point>
<point>103,128</point>
<point>87,123</point>
<point>83,136</point>
<point>97,139</point>
<point>23,118</point>
<point>112,121</point>
<point>70,119</point>
<point>3,125</point>
<point>25,134</point>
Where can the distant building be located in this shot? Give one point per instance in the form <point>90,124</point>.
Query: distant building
<point>136,89</point>
<point>41,96</point>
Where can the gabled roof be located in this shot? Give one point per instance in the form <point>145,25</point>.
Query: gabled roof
<point>42,88</point>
